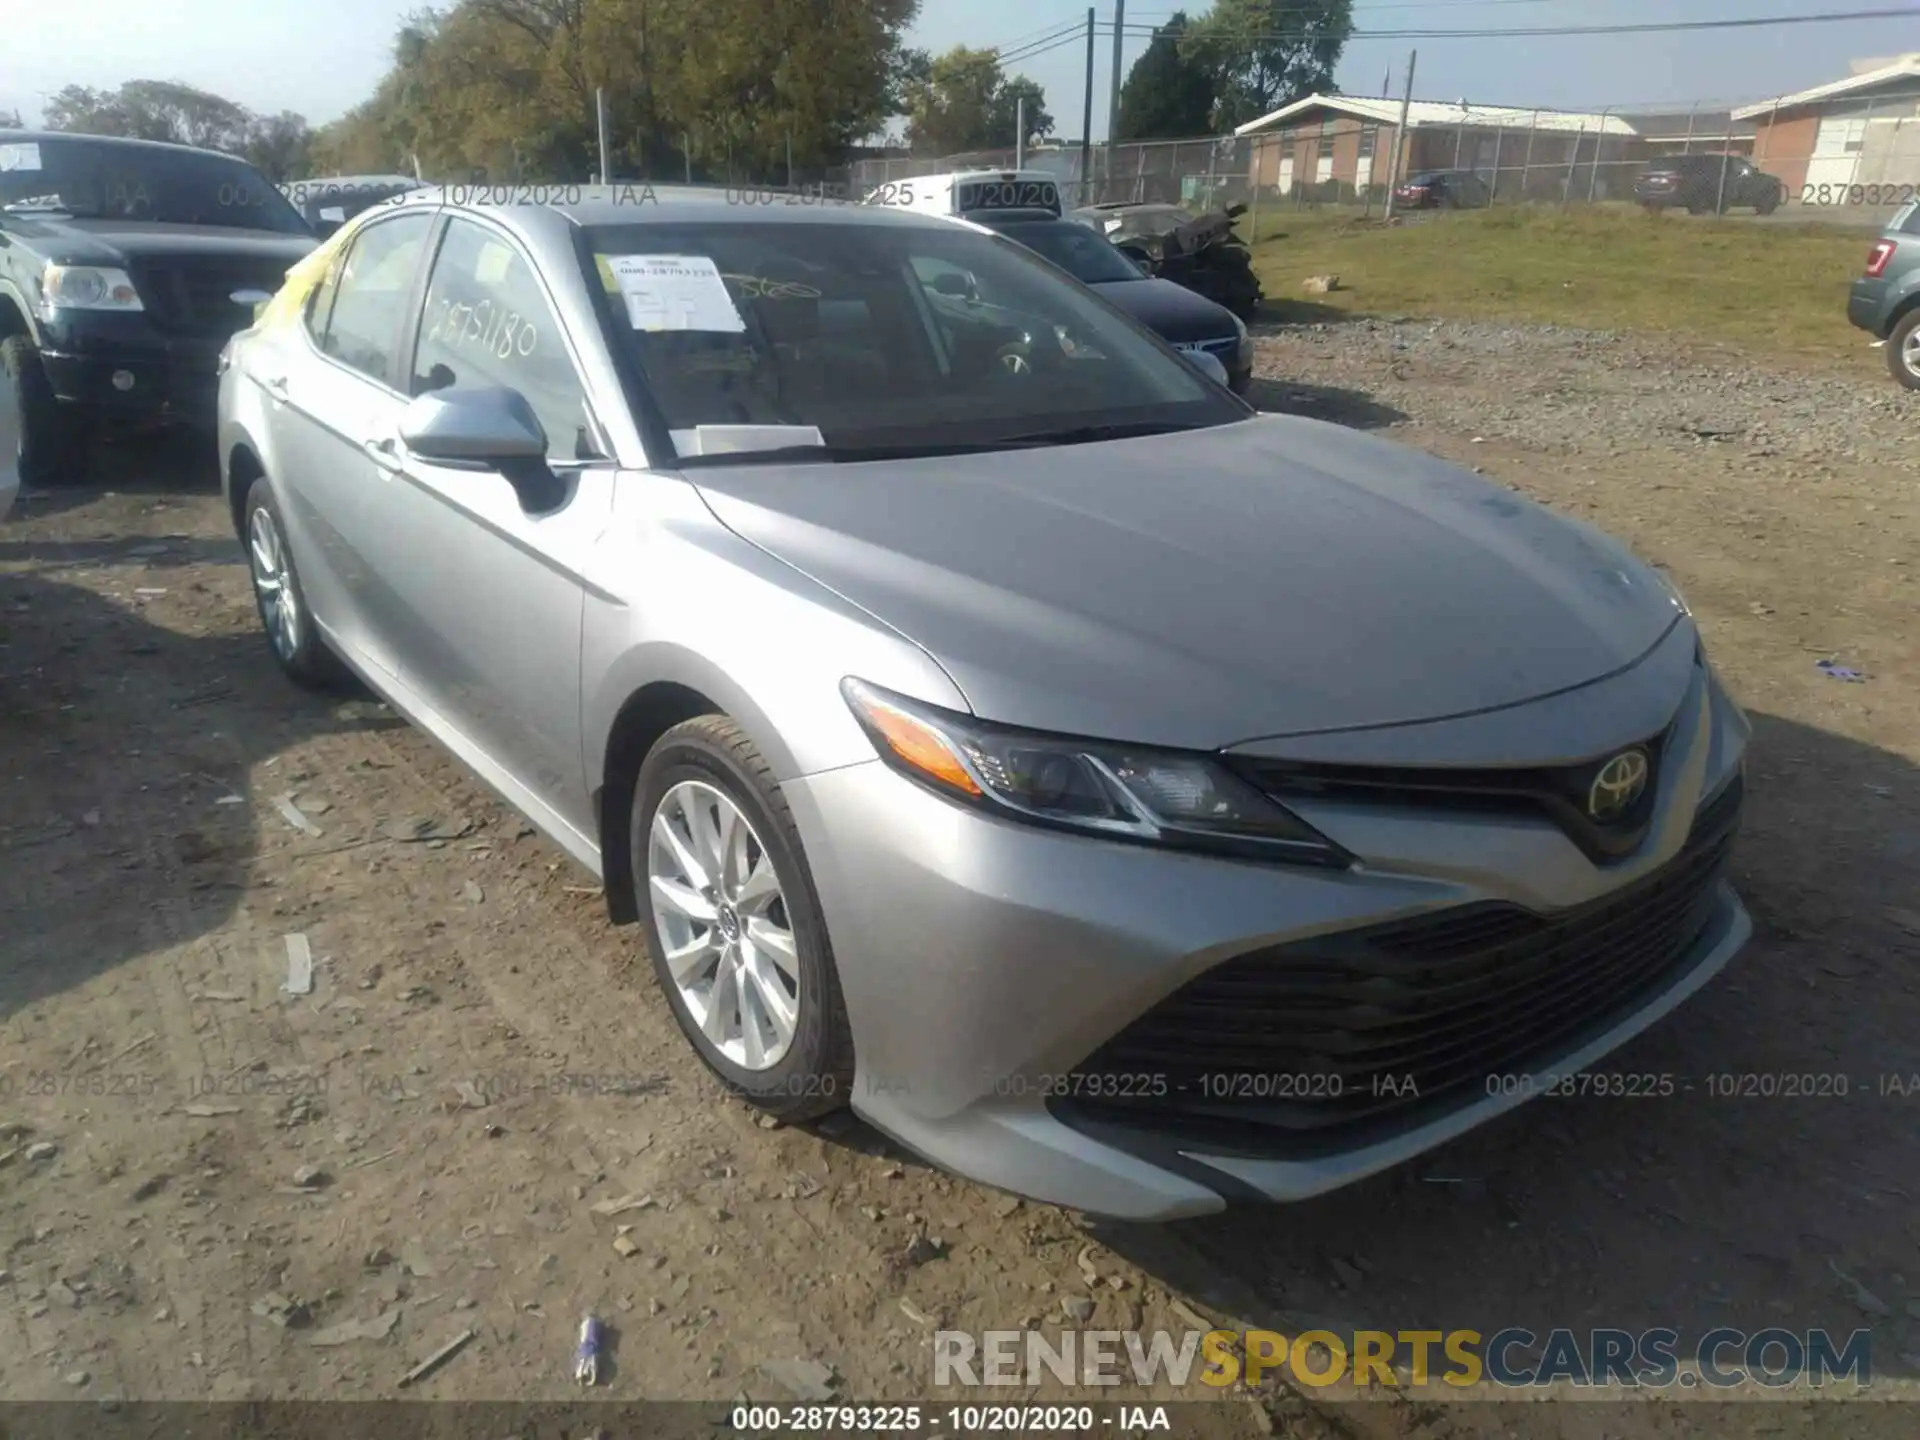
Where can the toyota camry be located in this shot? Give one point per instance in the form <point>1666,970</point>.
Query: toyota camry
<point>988,720</point>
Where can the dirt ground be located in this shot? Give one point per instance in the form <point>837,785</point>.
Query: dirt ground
<point>254,1194</point>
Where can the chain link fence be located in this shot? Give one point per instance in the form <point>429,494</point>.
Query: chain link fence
<point>1842,159</point>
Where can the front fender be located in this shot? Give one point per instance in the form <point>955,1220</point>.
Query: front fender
<point>679,598</point>
<point>28,315</point>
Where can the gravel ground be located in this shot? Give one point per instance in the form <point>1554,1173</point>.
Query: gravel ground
<point>164,1246</point>
<point>1601,394</point>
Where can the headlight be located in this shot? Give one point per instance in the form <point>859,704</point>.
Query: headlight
<point>87,287</point>
<point>1123,792</point>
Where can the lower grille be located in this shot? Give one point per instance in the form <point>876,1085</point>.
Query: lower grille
<point>1348,1029</point>
<point>193,295</point>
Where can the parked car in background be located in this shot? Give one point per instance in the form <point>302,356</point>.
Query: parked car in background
<point>1885,300</point>
<point>1118,796</point>
<point>329,203</point>
<point>1186,321</point>
<point>1708,184</point>
<point>125,266</point>
<point>1443,190</point>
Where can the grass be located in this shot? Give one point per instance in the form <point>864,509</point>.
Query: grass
<point>1771,289</point>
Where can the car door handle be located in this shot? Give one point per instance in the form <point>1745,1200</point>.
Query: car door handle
<point>276,386</point>
<point>383,452</point>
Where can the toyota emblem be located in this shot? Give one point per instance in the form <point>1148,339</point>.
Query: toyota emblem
<point>1620,783</point>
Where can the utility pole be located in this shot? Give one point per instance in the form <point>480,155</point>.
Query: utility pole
<point>1400,135</point>
<point>1086,123</point>
<point>1113,93</point>
<point>1020,132</point>
<point>600,118</point>
<point>1386,83</point>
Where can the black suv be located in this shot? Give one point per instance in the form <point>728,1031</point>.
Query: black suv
<point>1708,184</point>
<point>125,267</point>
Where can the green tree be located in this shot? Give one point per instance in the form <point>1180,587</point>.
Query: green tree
<point>153,110</point>
<point>1168,95</point>
<point>963,100</point>
<point>1263,54</point>
<point>280,146</point>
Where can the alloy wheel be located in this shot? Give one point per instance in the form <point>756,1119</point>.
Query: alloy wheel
<point>273,583</point>
<point>721,914</point>
<point>1910,352</point>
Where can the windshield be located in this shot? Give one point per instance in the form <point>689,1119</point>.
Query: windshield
<point>1076,249</point>
<point>91,180</point>
<point>851,338</point>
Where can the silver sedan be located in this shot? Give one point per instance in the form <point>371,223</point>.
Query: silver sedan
<point>990,722</point>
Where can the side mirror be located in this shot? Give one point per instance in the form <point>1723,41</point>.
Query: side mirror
<point>484,429</point>
<point>1141,259</point>
<point>1209,365</point>
<point>1235,211</point>
<point>961,287</point>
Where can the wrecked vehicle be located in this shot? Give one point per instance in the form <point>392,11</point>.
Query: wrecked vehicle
<point>1205,253</point>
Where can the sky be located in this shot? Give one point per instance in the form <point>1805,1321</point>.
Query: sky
<point>320,59</point>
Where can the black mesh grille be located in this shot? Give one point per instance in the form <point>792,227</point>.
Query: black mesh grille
<point>193,295</point>
<point>1351,1027</point>
<point>1560,792</point>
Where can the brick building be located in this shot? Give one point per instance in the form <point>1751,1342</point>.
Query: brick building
<point>1325,146</point>
<point>1863,131</point>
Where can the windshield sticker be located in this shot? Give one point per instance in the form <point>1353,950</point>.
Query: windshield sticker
<point>335,213</point>
<point>742,439</point>
<point>19,157</point>
<point>495,261</point>
<point>676,292</point>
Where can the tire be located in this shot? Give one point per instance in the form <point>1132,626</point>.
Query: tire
<point>1768,205</point>
<point>52,448</point>
<point>813,1075</point>
<point>291,635</point>
<point>1903,350</point>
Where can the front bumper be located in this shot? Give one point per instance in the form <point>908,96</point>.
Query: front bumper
<point>173,378</point>
<point>983,961</point>
<point>1867,307</point>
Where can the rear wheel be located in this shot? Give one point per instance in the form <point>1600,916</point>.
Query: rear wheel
<point>733,924</point>
<point>1903,350</point>
<point>52,447</point>
<point>291,634</point>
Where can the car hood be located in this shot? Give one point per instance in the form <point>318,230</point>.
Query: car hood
<point>119,242</point>
<point>1276,576</point>
<point>1172,311</point>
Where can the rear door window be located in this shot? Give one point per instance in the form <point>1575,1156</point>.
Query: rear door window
<point>369,296</point>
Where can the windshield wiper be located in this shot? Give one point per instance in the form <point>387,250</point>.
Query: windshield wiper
<point>922,450</point>
<point>1088,434</point>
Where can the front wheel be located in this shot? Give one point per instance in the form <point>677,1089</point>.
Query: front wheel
<point>1903,350</point>
<point>52,448</point>
<point>1768,205</point>
<point>734,925</point>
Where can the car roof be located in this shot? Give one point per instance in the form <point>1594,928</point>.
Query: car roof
<point>640,203</point>
<point>1021,217</point>
<point>38,137</point>
<point>406,180</point>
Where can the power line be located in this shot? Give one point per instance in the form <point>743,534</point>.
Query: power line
<point>1660,27</point>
